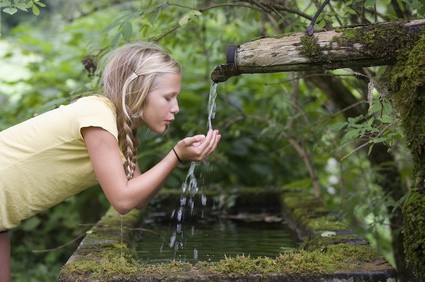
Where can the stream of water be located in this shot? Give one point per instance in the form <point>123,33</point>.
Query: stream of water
<point>190,186</point>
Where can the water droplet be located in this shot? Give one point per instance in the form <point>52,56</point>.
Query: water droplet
<point>180,214</point>
<point>204,200</point>
<point>183,201</point>
<point>193,185</point>
<point>191,205</point>
<point>172,240</point>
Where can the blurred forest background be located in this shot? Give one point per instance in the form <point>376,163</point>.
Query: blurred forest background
<point>334,133</point>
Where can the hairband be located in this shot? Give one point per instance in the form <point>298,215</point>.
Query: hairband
<point>137,75</point>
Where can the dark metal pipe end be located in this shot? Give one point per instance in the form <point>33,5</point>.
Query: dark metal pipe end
<point>231,54</point>
<point>223,72</point>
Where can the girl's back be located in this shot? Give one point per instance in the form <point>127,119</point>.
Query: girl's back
<point>44,160</point>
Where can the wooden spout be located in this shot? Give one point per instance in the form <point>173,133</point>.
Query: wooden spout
<point>360,46</point>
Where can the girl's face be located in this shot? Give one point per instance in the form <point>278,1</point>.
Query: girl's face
<point>161,103</point>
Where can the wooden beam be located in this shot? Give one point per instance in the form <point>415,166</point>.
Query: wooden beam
<point>360,46</point>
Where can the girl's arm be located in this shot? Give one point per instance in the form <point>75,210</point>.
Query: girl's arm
<point>145,201</point>
<point>123,194</point>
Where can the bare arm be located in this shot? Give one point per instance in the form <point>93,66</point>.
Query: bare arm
<point>123,194</point>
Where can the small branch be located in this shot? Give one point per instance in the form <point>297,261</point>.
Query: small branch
<point>355,150</point>
<point>61,246</point>
<point>305,156</point>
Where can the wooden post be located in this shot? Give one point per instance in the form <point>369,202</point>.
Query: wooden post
<point>359,46</point>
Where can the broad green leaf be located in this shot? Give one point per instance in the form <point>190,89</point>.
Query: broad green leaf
<point>35,10</point>
<point>369,3</point>
<point>39,3</point>
<point>338,126</point>
<point>127,30</point>
<point>388,108</point>
<point>22,6</point>
<point>350,135</point>
<point>10,11</point>
<point>5,3</point>
<point>185,19</point>
<point>386,119</point>
<point>354,120</point>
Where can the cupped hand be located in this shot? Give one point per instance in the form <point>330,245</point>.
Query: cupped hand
<point>198,147</point>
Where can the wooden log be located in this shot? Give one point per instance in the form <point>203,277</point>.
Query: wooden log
<point>360,46</point>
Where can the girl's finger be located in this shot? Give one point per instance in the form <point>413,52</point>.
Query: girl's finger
<point>212,144</point>
<point>206,141</point>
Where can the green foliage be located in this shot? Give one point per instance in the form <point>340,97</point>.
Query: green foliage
<point>380,125</point>
<point>12,6</point>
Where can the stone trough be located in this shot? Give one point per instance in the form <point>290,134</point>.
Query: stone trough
<point>330,251</point>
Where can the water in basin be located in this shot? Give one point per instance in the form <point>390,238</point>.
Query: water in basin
<point>211,239</point>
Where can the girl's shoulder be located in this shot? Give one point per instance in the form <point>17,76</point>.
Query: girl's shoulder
<point>95,101</point>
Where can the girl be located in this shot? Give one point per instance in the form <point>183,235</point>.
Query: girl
<point>60,153</point>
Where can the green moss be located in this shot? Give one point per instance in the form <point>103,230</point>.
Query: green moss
<point>379,40</point>
<point>414,231</point>
<point>339,257</point>
<point>406,82</point>
<point>310,47</point>
<point>310,213</point>
<point>329,222</point>
<point>320,243</point>
<point>102,261</point>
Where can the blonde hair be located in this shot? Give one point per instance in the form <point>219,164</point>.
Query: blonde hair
<point>127,78</point>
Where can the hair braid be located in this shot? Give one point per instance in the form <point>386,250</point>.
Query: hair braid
<point>130,149</point>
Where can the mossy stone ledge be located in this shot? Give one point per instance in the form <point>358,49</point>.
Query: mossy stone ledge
<point>329,252</point>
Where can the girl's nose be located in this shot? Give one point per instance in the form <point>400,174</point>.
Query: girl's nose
<point>175,108</point>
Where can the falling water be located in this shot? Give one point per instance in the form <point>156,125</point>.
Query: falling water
<point>212,104</point>
<point>190,186</point>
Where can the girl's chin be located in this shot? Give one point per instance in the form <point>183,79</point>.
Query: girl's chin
<point>159,130</point>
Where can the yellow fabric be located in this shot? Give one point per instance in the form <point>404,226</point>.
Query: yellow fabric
<point>44,160</point>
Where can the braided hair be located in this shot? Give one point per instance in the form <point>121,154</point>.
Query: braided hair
<point>127,78</point>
